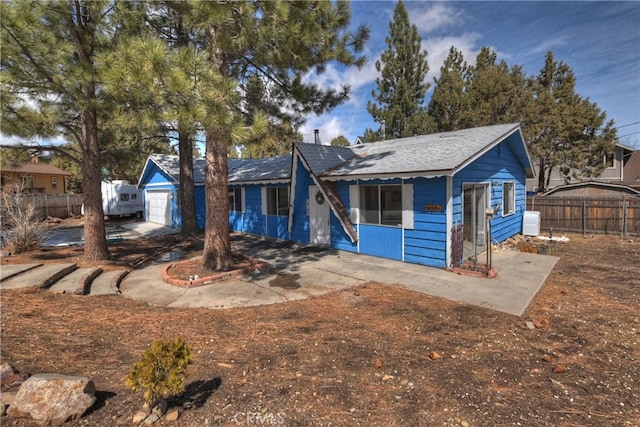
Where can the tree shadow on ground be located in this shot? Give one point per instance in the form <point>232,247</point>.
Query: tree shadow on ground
<point>195,394</point>
<point>101,401</point>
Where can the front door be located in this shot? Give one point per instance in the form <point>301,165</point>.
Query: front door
<point>475,220</point>
<point>319,211</point>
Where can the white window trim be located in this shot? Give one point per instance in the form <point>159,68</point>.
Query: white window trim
<point>513,198</point>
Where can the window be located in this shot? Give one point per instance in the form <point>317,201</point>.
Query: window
<point>134,196</point>
<point>124,197</point>
<point>381,204</point>
<point>278,201</point>
<point>508,198</point>
<point>27,182</point>
<point>608,160</point>
<point>54,182</point>
<point>235,199</point>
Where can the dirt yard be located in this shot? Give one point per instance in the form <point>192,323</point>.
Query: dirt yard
<point>369,356</point>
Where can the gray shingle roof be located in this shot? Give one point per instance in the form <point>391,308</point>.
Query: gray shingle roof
<point>240,170</point>
<point>323,157</point>
<point>267,169</point>
<point>427,154</point>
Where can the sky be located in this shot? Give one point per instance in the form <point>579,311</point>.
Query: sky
<point>598,40</point>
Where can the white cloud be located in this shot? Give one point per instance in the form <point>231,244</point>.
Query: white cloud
<point>329,126</point>
<point>548,45</point>
<point>438,50</point>
<point>436,17</point>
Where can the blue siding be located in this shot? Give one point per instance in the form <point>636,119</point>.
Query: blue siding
<point>201,208</point>
<point>300,230</point>
<point>426,242</point>
<point>339,238</point>
<point>253,221</point>
<point>385,242</point>
<point>497,165</point>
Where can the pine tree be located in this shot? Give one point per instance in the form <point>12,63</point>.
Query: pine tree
<point>495,93</point>
<point>402,86</point>
<point>276,43</point>
<point>449,105</point>
<point>564,130</point>
<point>340,141</point>
<point>50,86</point>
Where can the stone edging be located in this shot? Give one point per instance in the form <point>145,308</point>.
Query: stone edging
<point>256,264</point>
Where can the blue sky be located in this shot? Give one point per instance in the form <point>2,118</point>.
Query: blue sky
<point>599,40</point>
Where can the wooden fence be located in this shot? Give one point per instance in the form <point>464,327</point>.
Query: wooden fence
<point>58,206</point>
<point>588,214</point>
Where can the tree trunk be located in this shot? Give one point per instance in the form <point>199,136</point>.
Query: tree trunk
<point>542,172</point>
<point>95,241</point>
<point>217,240</point>
<point>189,226</point>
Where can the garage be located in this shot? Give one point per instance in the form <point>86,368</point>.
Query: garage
<point>158,203</point>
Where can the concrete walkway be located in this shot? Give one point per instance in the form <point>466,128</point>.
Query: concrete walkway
<point>298,272</point>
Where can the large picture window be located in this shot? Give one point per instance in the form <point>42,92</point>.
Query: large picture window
<point>278,201</point>
<point>235,199</point>
<point>508,198</point>
<point>381,205</point>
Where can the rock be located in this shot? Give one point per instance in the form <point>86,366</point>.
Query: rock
<point>530,325</point>
<point>159,408</point>
<point>172,415</point>
<point>387,377</point>
<point>151,419</point>
<point>434,355</point>
<point>139,417</point>
<point>558,369</point>
<point>53,399</point>
<point>379,363</point>
<point>8,375</point>
<point>464,424</point>
<point>547,358</point>
<point>7,397</point>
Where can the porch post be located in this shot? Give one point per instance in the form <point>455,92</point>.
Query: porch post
<point>449,219</point>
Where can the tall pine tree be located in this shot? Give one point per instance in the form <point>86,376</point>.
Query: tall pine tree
<point>276,43</point>
<point>402,86</point>
<point>50,86</point>
<point>565,131</point>
<point>449,105</point>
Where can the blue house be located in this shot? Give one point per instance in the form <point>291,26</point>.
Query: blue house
<point>432,199</point>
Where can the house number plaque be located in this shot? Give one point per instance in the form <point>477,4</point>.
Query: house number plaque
<point>433,208</point>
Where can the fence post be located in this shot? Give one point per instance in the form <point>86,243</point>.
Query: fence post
<point>625,214</point>
<point>46,206</point>
<point>584,216</point>
<point>68,206</point>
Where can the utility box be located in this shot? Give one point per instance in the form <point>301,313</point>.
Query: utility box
<point>531,223</point>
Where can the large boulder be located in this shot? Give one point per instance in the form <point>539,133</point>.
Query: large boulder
<point>53,399</point>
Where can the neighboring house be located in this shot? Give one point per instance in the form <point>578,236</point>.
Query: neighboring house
<point>404,199</point>
<point>359,140</point>
<point>34,178</point>
<point>592,189</point>
<point>631,171</point>
<point>614,172</point>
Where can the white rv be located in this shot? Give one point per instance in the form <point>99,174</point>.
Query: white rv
<point>121,198</point>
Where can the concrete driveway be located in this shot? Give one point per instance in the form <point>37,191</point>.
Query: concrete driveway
<point>299,272</point>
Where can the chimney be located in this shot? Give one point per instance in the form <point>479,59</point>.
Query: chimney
<point>383,130</point>
<point>316,136</point>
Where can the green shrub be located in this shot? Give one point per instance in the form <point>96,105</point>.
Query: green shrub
<point>161,370</point>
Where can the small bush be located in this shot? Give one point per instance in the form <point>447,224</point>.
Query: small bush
<point>161,370</point>
<point>22,227</point>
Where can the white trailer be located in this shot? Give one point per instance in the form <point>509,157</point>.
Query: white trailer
<point>121,198</point>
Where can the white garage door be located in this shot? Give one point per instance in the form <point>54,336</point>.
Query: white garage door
<point>159,207</point>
